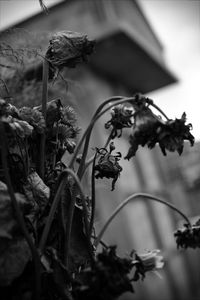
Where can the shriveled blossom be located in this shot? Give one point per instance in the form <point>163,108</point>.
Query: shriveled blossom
<point>106,279</point>
<point>67,49</point>
<point>188,236</point>
<point>149,129</point>
<point>144,130</point>
<point>150,261</point>
<point>121,117</point>
<point>172,134</point>
<point>108,166</point>
<point>33,117</point>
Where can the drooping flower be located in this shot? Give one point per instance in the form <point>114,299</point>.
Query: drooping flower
<point>121,117</point>
<point>149,129</point>
<point>150,261</point>
<point>68,48</point>
<point>106,279</point>
<point>172,134</point>
<point>144,130</point>
<point>108,166</point>
<point>189,236</point>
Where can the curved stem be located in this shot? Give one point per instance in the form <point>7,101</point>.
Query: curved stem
<point>160,110</point>
<point>45,77</point>
<point>126,201</point>
<point>19,215</point>
<point>88,131</point>
<point>116,98</point>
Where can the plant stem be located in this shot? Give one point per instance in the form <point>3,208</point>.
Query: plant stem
<point>160,110</point>
<point>45,77</point>
<point>126,201</point>
<point>93,195</point>
<point>71,214</point>
<point>18,213</point>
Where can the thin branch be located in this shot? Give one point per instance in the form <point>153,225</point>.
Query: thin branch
<point>126,201</point>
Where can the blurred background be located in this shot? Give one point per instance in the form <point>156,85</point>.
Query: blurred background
<point>146,46</point>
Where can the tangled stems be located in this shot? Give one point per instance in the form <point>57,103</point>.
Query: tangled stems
<point>126,201</point>
<point>97,115</point>
<point>19,215</point>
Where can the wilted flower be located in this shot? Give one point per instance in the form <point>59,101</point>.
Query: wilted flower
<point>68,48</point>
<point>108,165</point>
<point>149,129</point>
<point>149,261</point>
<point>189,236</point>
<point>172,134</point>
<point>121,117</point>
<point>33,117</point>
<point>144,130</point>
<point>107,279</point>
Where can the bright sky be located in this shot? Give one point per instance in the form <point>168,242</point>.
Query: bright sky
<point>177,25</point>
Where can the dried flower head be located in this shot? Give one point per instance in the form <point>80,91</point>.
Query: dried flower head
<point>33,117</point>
<point>121,117</point>
<point>189,236</point>
<point>172,134</point>
<point>68,116</point>
<point>146,262</point>
<point>144,130</point>
<point>15,127</point>
<point>108,165</point>
<point>68,48</point>
<point>149,129</point>
<point>107,279</point>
